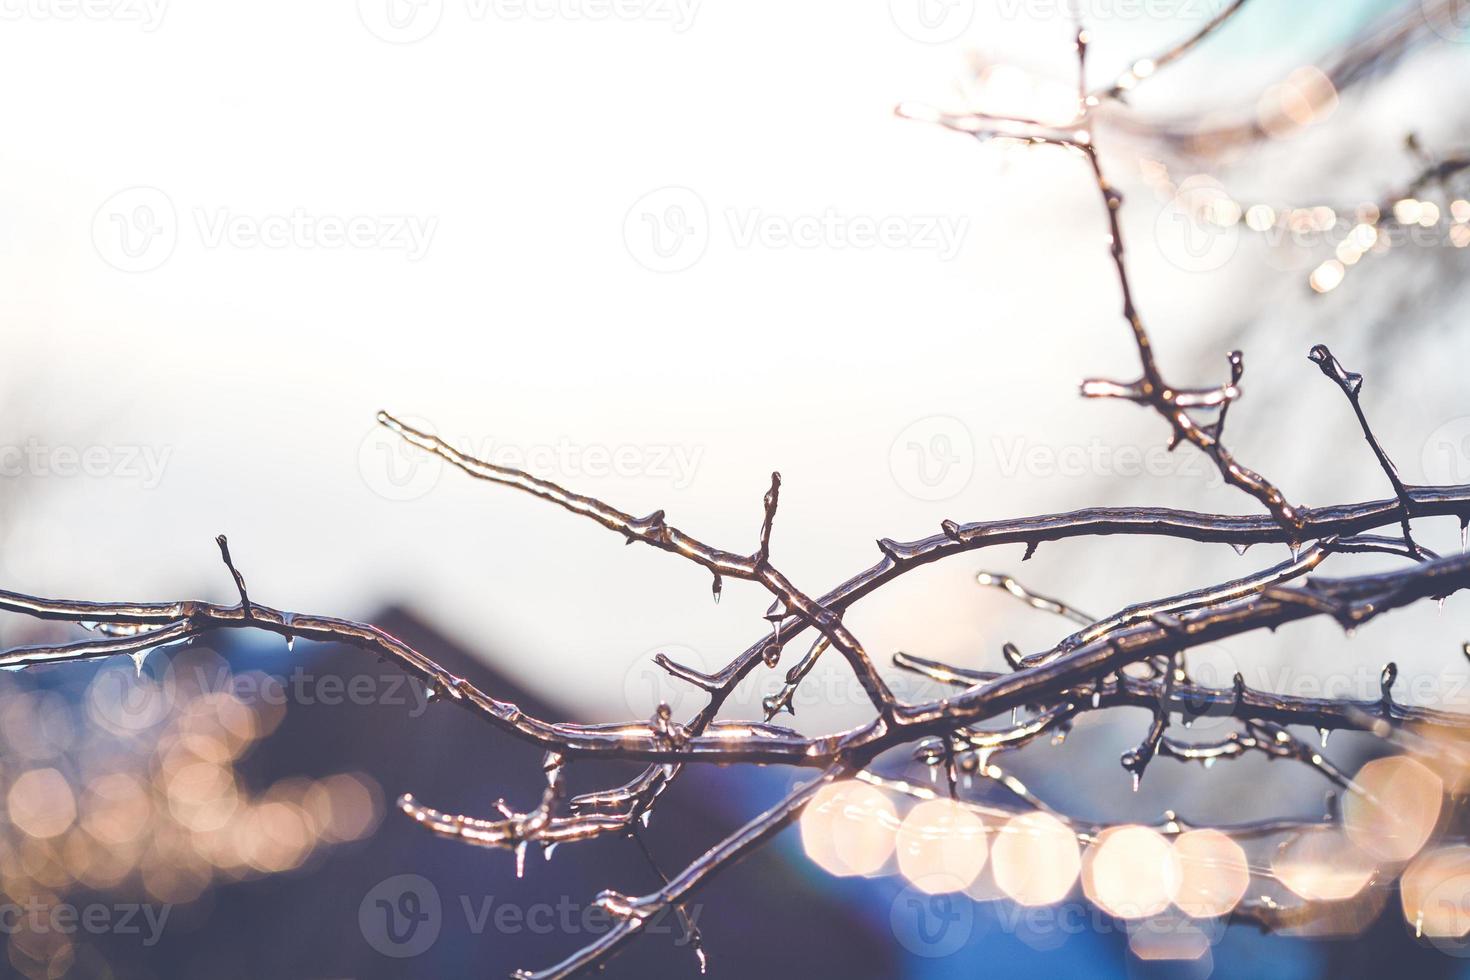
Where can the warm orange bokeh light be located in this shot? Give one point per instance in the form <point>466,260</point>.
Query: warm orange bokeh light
<point>1213,873</point>
<point>41,804</point>
<point>1035,859</point>
<point>1396,810</point>
<point>1168,941</point>
<point>1131,872</point>
<point>1435,892</point>
<point>1323,865</point>
<point>941,846</point>
<point>848,828</point>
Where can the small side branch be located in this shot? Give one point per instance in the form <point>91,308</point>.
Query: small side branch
<point>1351,384</point>
<point>224,552</point>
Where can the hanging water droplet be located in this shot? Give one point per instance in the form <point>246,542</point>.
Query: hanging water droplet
<point>1326,733</point>
<point>1096,697</point>
<point>1208,762</point>
<point>1389,675</point>
<point>1240,549</point>
<point>431,693</point>
<point>550,849</point>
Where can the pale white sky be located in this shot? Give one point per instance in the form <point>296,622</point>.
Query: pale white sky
<point>502,283</point>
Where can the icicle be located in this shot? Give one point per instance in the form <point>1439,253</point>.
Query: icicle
<point>646,816</point>
<point>521,859</point>
<point>550,848</point>
<point>290,642</point>
<point>138,657</point>
<point>1096,696</point>
<point>1015,716</point>
<point>716,586</point>
<point>1326,733</point>
<point>1464,533</point>
<point>1137,779</point>
<point>1240,549</point>
<point>703,960</point>
<point>1419,924</point>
